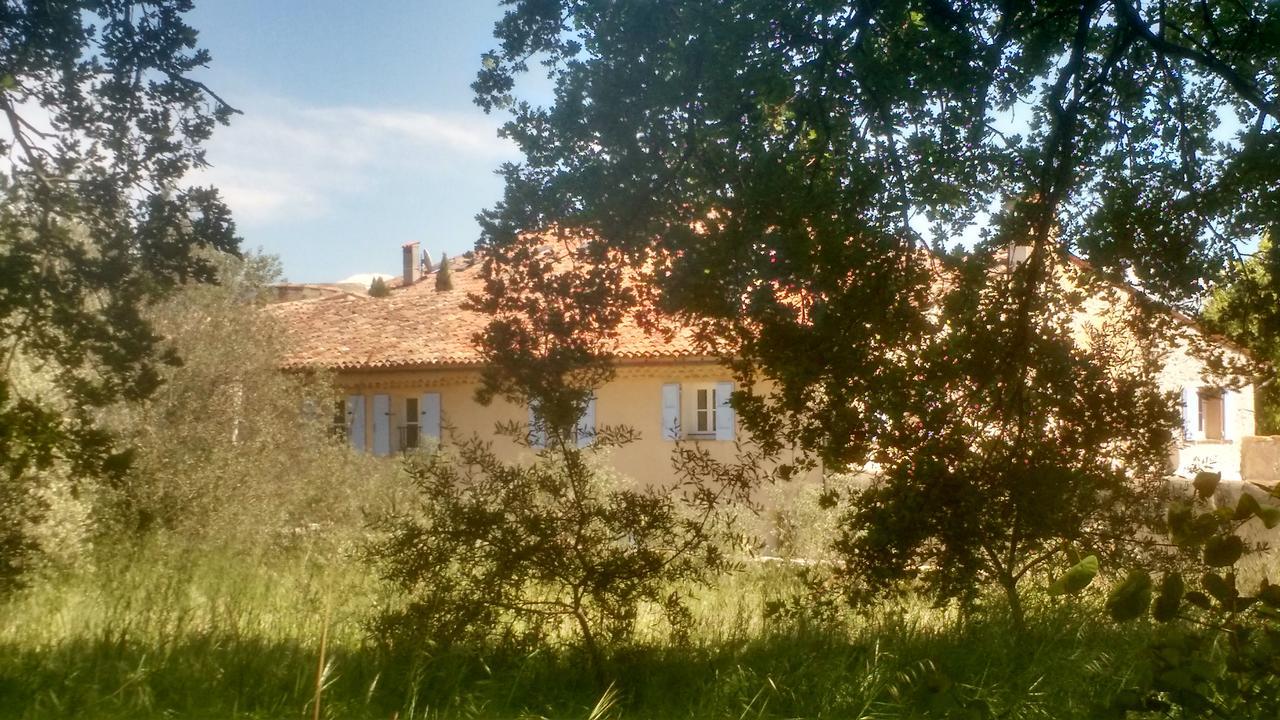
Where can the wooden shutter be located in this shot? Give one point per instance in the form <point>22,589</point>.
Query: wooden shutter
<point>671,411</point>
<point>724,411</point>
<point>587,423</point>
<point>355,421</point>
<point>381,425</point>
<point>429,416</point>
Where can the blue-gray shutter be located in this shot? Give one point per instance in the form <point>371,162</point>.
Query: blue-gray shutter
<point>671,411</point>
<point>355,421</point>
<point>381,425</point>
<point>724,411</point>
<point>429,416</point>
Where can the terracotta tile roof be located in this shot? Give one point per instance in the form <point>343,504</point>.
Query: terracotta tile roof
<point>418,326</point>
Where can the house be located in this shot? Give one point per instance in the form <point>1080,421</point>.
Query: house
<point>407,369</point>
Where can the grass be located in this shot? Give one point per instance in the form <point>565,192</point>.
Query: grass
<point>176,633</point>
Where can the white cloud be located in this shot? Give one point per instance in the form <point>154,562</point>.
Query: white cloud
<point>286,161</point>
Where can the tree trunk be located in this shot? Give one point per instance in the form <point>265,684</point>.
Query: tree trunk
<point>589,642</point>
<point>1016,614</point>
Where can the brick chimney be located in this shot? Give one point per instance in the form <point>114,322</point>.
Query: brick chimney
<point>412,270</point>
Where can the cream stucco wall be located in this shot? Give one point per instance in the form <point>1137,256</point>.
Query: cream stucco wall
<point>633,398</point>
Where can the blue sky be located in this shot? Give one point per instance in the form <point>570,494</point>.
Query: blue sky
<point>358,132</point>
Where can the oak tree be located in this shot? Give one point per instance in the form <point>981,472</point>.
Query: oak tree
<point>793,175</point>
<point>101,120</point>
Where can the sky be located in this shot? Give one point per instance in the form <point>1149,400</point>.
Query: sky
<point>359,133</point>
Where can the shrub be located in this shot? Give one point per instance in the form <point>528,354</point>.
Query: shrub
<point>1218,652</point>
<point>517,553</point>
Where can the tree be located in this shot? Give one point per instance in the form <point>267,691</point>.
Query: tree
<point>378,288</point>
<point>498,551</point>
<point>444,281</point>
<point>1015,452</point>
<point>1247,310</point>
<point>232,450</point>
<point>792,174</point>
<point>102,121</point>
<point>510,552</point>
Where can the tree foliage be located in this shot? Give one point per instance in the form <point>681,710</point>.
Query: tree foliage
<point>1247,309</point>
<point>101,122</point>
<point>1217,654</point>
<point>791,175</point>
<point>528,553</point>
<point>378,288</point>
<point>1015,451</point>
<point>230,449</point>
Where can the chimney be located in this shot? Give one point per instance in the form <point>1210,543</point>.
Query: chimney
<point>412,271</point>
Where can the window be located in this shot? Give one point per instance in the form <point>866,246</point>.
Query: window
<point>585,431</point>
<point>704,412</point>
<point>411,431</point>
<point>1210,423</point>
<point>1208,413</point>
<point>339,423</point>
<point>698,411</point>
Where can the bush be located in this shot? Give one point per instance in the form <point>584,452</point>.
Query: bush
<point>529,553</point>
<point>1218,652</point>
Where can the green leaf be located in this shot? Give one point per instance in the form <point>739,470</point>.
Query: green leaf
<point>1130,598</point>
<point>1179,519</point>
<point>1222,551</point>
<point>1223,589</point>
<point>8,82</point>
<point>1172,588</point>
<point>1076,578</point>
<point>1206,482</point>
<point>1247,507</point>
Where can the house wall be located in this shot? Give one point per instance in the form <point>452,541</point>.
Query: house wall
<point>1184,367</point>
<point>633,399</point>
<point>1183,370</point>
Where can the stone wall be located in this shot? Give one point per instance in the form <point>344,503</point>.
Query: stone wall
<point>1260,459</point>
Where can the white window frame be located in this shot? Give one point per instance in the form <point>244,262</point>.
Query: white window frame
<point>704,411</point>
<point>702,418</point>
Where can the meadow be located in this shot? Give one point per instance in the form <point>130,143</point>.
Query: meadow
<point>161,631</point>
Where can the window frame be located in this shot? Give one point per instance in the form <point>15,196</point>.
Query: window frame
<point>697,412</point>
<point>411,430</point>
<point>1208,397</point>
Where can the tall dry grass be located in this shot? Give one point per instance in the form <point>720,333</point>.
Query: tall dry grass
<point>180,631</point>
